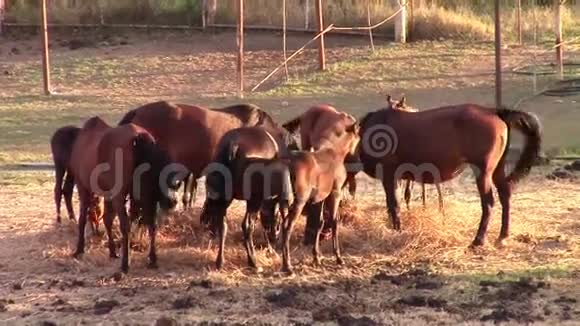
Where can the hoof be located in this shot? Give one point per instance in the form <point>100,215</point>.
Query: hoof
<point>288,271</point>
<point>316,262</point>
<point>152,265</point>
<point>257,269</point>
<point>339,261</point>
<point>219,265</point>
<point>477,243</point>
<point>113,255</point>
<point>77,254</point>
<point>501,242</point>
<point>125,269</point>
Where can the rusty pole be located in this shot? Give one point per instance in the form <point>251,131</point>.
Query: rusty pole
<point>322,57</point>
<point>241,47</point>
<point>498,86</point>
<point>45,60</point>
<point>559,47</point>
<point>519,21</point>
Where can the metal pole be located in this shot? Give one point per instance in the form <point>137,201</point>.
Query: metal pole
<point>322,57</point>
<point>241,47</point>
<point>559,47</point>
<point>284,36</point>
<point>498,86</point>
<point>369,23</point>
<point>45,60</point>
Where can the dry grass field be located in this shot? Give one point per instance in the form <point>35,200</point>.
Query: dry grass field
<point>425,274</point>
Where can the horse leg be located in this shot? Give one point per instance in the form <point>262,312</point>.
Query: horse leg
<point>407,195</point>
<point>316,214</point>
<point>440,197</point>
<point>85,202</point>
<point>390,186</point>
<point>248,224</point>
<point>186,193</point>
<point>59,176</point>
<point>149,211</point>
<point>108,218</point>
<point>504,191</point>
<point>486,196</point>
<point>222,230</point>
<point>351,180</point>
<point>67,191</point>
<point>334,203</point>
<point>423,195</point>
<point>125,223</point>
<point>192,192</point>
<point>294,212</point>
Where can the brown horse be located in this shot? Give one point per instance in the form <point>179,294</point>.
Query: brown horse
<point>190,134</point>
<point>434,146</point>
<point>317,180</point>
<point>61,144</point>
<point>402,105</point>
<point>246,168</point>
<point>116,162</point>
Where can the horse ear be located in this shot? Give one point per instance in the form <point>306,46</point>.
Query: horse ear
<point>389,99</point>
<point>402,101</point>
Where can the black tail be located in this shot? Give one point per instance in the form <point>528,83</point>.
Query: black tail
<point>529,125</point>
<point>61,145</point>
<point>292,125</point>
<point>128,118</point>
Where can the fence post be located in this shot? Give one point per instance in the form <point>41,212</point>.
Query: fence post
<point>322,57</point>
<point>519,21</point>
<point>45,60</point>
<point>559,46</point>
<point>369,23</point>
<point>307,14</point>
<point>241,47</point>
<point>498,81</point>
<point>2,9</point>
<point>401,23</point>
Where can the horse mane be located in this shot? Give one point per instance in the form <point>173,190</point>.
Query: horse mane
<point>128,117</point>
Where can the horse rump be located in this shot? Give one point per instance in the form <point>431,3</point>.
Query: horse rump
<point>529,125</point>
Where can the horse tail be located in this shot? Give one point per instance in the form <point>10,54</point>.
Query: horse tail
<point>529,125</point>
<point>61,146</point>
<point>292,125</point>
<point>128,117</point>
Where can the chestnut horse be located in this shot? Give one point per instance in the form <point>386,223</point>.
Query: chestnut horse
<point>434,146</point>
<point>61,144</point>
<point>402,105</point>
<point>116,162</point>
<point>245,167</point>
<point>317,180</point>
<point>190,134</point>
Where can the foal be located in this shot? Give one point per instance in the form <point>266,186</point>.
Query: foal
<point>317,179</point>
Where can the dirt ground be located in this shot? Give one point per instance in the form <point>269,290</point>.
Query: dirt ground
<point>425,274</point>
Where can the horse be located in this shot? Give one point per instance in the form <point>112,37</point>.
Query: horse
<point>434,146</point>
<point>318,125</point>
<point>317,180</point>
<point>61,144</point>
<point>115,163</point>
<point>246,168</point>
<point>408,184</point>
<point>190,134</point>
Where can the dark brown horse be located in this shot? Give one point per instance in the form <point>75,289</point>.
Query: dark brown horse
<point>116,162</point>
<point>190,134</point>
<point>61,145</point>
<point>434,146</point>
<point>317,180</point>
<point>246,168</point>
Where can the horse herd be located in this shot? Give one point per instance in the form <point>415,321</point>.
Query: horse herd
<point>138,165</point>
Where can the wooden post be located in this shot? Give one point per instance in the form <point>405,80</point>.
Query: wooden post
<point>45,61</point>
<point>284,37</point>
<point>322,57</point>
<point>369,23</point>
<point>241,47</point>
<point>401,24</point>
<point>559,39</point>
<point>498,86</point>
<point>2,10</point>
<point>307,14</point>
<point>519,21</point>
